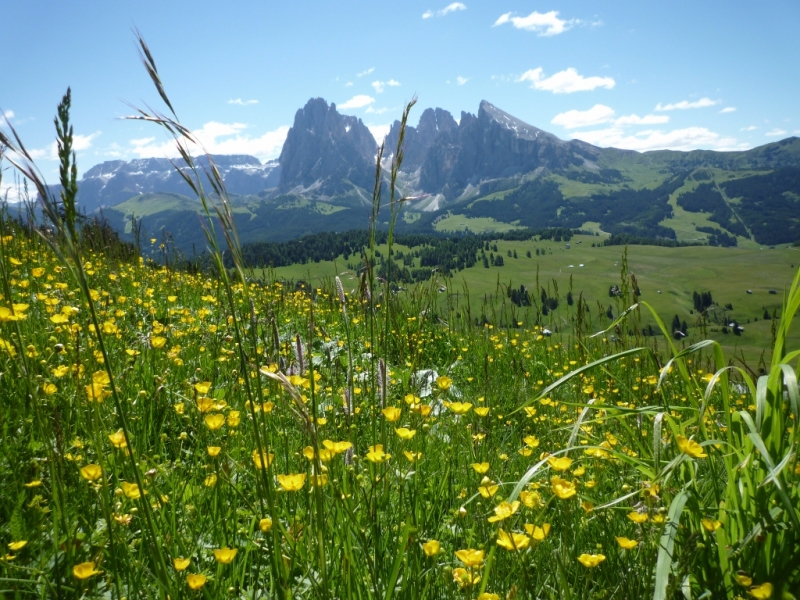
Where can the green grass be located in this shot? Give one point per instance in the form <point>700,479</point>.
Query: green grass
<point>677,272</point>
<point>454,223</point>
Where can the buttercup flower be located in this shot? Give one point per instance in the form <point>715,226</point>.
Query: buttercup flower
<point>431,548</point>
<point>85,570</point>
<point>591,560</point>
<point>761,592</point>
<point>512,541</point>
<point>225,555</point>
<point>536,532</point>
<point>293,482</point>
<point>91,472</point>
<point>195,581</point>
<point>470,557</point>
<point>504,510</point>
<point>690,447</point>
<point>562,488</point>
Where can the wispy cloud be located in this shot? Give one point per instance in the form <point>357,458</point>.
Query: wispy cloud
<point>348,84</point>
<point>750,128</point>
<point>775,132</point>
<point>218,138</point>
<point>461,80</point>
<point>9,114</point>
<point>79,143</point>
<point>446,10</point>
<point>690,138</point>
<point>599,114</point>
<point>572,119</point>
<point>685,104</point>
<point>381,85</point>
<point>241,102</point>
<point>645,120</point>
<point>377,111</point>
<point>367,72</point>
<point>565,82</point>
<point>358,101</point>
<point>543,24</point>
<point>728,109</point>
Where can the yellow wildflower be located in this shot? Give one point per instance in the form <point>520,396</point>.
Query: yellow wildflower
<point>404,433</point>
<point>377,455</point>
<point>512,541</point>
<point>591,560</point>
<point>470,557</point>
<point>85,570</point>
<point>292,482</point>
<point>180,563</point>
<point>559,464</point>
<point>392,413</point>
<point>536,532</point>
<point>562,488</point>
<point>431,548</point>
<point>504,510</point>
<point>761,592</point>
<point>225,555</point>
<point>91,472</point>
<point>690,448</point>
<point>195,582</point>
<point>215,421</point>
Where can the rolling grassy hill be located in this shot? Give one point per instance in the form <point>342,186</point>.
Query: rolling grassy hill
<point>667,277</point>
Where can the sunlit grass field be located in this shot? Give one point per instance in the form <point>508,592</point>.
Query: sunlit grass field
<point>667,277</point>
<point>180,434</point>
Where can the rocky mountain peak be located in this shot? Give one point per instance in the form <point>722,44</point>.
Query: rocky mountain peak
<point>326,150</point>
<point>432,122</point>
<point>493,145</point>
<point>520,129</point>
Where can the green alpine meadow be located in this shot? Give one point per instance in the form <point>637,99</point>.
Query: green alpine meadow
<point>464,359</point>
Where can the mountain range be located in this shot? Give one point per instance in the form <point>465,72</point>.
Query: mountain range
<point>483,172</point>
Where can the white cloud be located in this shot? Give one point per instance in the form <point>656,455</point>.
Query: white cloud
<point>685,104</point>
<point>9,114</point>
<point>348,84</point>
<point>218,138</point>
<point>367,72</point>
<point>645,120</point>
<point>565,82</point>
<point>358,101</point>
<point>690,138</point>
<point>10,193</point>
<point>461,80</point>
<point>447,9</point>
<point>377,111</point>
<point>241,102</point>
<point>381,85</point>
<point>379,131</point>
<point>728,109</point>
<point>775,132</point>
<point>599,114</point>
<point>79,143</point>
<point>543,24</point>
<point>584,118</point>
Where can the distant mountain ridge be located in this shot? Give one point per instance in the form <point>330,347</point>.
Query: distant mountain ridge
<point>485,170</point>
<point>113,182</point>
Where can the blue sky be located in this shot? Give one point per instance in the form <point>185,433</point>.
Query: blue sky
<point>630,74</point>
